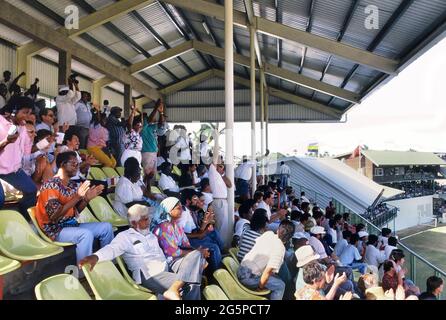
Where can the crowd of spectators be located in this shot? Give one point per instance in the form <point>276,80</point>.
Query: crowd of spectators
<point>285,244</point>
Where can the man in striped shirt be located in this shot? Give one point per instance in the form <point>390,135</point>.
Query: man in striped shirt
<point>258,226</point>
<point>260,267</point>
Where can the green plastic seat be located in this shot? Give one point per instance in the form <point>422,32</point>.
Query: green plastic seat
<point>155,190</point>
<point>233,252</point>
<point>32,215</point>
<point>232,290</point>
<point>111,198</point>
<point>232,266</point>
<point>8,265</point>
<point>123,268</point>
<point>108,284</point>
<point>110,172</point>
<point>89,177</point>
<point>120,170</point>
<point>18,241</point>
<point>87,217</point>
<point>105,213</point>
<point>61,287</point>
<point>176,170</point>
<point>97,174</point>
<point>214,292</point>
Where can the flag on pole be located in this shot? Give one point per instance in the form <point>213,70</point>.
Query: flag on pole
<point>356,152</point>
<point>313,147</point>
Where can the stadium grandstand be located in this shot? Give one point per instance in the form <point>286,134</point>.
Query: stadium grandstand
<point>106,195</point>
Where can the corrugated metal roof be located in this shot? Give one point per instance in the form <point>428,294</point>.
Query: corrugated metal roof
<point>159,21</point>
<point>60,6</point>
<point>13,36</point>
<point>8,60</point>
<point>22,5</point>
<point>277,114</point>
<point>403,158</point>
<point>327,19</point>
<point>99,4</point>
<point>416,19</point>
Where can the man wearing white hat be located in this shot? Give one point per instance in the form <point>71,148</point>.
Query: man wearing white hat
<point>145,259</point>
<point>65,103</point>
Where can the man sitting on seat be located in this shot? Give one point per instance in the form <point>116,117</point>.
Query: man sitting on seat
<point>59,203</point>
<point>145,259</point>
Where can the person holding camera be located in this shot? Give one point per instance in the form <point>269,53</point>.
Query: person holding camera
<point>15,143</point>
<point>65,102</point>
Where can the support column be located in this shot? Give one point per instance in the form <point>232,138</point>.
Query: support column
<point>262,124</point>
<point>64,67</point>
<point>97,89</point>
<point>127,100</point>
<point>253,108</point>
<point>24,58</point>
<point>266,119</point>
<point>229,113</point>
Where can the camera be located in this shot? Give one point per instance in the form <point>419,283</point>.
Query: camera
<point>73,77</point>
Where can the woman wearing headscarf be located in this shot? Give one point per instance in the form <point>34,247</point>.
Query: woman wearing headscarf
<point>171,236</point>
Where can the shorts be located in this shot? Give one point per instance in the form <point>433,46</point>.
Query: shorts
<point>149,162</point>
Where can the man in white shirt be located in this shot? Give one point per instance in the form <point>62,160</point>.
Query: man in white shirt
<point>274,218</point>
<point>83,118</point>
<point>205,189</point>
<point>350,256</point>
<point>65,101</point>
<point>242,176</point>
<point>285,173</point>
<point>145,259</point>
<point>391,245</point>
<point>205,149</point>
<point>342,243</point>
<point>373,256</point>
<point>259,267</point>
<point>166,183</point>
<point>303,198</point>
<point>317,233</point>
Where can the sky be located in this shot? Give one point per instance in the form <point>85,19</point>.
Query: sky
<point>409,112</point>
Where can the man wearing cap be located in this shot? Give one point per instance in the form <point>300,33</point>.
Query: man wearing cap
<point>116,130</point>
<point>65,103</point>
<point>306,255</point>
<point>143,256</point>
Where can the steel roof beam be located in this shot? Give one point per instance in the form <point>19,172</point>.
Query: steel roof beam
<point>282,73</point>
<point>191,29</point>
<point>200,77</point>
<point>155,34</point>
<point>290,97</point>
<point>281,31</point>
<point>118,33</point>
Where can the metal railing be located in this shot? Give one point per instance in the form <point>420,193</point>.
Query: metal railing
<point>419,269</point>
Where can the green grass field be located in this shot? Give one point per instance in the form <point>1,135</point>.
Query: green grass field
<point>431,245</point>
